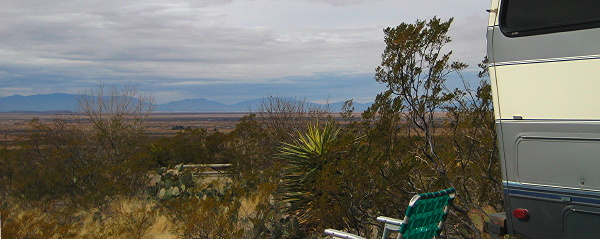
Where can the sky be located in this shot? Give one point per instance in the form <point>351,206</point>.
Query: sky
<point>222,50</point>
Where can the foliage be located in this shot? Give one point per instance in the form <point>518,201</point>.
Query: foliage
<point>186,147</point>
<point>192,146</point>
<point>175,182</point>
<point>18,222</point>
<point>225,210</point>
<point>282,115</point>
<point>83,159</point>
<point>205,218</point>
<point>122,218</point>
<point>251,153</point>
<point>307,161</point>
<point>117,117</point>
<point>434,154</point>
<point>473,131</point>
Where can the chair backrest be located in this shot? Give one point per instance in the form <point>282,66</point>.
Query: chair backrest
<point>425,214</point>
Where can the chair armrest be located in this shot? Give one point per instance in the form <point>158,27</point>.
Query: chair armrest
<point>389,220</point>
<point>391,224</point>
<point>341,234</point>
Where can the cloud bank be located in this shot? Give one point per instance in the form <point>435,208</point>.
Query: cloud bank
<point>232,49</point>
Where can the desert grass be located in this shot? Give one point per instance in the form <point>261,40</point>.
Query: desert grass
<point>121,218</point>
<point>141,217</point>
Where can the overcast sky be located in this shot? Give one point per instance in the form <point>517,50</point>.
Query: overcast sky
<point>222,50</point>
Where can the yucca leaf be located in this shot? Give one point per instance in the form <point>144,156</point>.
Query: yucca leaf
<point>305,158</point>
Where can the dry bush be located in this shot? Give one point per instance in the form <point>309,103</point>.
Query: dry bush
<point>84,159</point>
<point>283,116</point>
<point>25,222</point>
<point>122,218</point>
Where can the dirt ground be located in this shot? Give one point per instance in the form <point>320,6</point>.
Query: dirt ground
<point>13,126</point>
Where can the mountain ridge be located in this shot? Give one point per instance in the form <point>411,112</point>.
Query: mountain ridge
<point>68,102</point>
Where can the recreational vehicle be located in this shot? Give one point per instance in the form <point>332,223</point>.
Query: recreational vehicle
<point>544,63</point>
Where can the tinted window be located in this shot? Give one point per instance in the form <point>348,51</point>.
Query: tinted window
<point>527,17</point>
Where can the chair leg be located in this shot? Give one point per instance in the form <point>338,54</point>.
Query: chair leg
<point>386,233</point>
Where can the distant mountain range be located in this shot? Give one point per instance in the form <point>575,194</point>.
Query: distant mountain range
<point>68,102</point>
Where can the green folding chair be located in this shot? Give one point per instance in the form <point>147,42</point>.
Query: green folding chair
<point>424,218</point>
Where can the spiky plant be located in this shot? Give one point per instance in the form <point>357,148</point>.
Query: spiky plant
<point>305,159</point>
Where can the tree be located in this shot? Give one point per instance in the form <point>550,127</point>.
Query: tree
<point>435,136</point>
<point>473,133</point>
<point>88,157</point>
<point>188,146</point>
<point>414,69</point>
<point>282,115</point>
<point>117,117</point>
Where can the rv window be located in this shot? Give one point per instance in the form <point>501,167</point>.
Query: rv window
<point>530,17</point>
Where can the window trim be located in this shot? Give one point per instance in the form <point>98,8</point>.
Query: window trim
<point>539,30</point>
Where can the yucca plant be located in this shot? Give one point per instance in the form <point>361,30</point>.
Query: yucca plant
<point>306,158</point>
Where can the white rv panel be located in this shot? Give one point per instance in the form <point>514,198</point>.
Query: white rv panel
<point>568,90</point>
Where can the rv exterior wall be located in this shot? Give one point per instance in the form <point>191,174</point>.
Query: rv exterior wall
<point>546,88</point>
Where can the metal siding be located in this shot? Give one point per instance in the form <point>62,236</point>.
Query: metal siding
<point>547,200</point>
<point>581,222</point>
<point>553,213</point>
<point>565,162</point>
<point>515,130</point>
<point>544,221</point>
<point>554,90</point>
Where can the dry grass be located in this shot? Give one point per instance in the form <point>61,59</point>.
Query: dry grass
<point>141,217</point>
<point>122,218</point>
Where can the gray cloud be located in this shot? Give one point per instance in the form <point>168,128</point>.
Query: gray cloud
<point>172,46</point>
<point>345,2</point>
